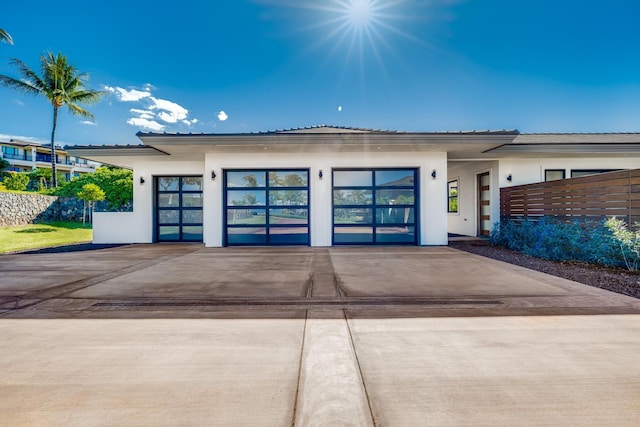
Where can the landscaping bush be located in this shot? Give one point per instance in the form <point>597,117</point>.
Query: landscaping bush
<point>548,238</point>
<point>628,242</point>
<point>16,181</point>
<point>116,183</point>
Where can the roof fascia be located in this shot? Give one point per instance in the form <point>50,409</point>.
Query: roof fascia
<point>326,138</point>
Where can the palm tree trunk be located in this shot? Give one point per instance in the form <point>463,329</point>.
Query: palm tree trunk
<point>54,177</point>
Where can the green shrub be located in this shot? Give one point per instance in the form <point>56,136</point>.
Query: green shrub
<point>16,181</point>
<point>116,183</point>
<point>548,238</point>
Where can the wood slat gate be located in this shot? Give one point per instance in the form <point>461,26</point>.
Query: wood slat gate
<point>590,197</point>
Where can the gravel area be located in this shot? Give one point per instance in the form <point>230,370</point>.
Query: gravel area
<point>612,279</point>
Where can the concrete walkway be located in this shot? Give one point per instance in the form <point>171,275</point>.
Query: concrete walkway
<point>153,335</point>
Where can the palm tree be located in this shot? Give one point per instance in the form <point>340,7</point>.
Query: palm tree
<point>5,37</point>
<point>61,84</point>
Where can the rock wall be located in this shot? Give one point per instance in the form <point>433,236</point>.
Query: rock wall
<point>20,209</point>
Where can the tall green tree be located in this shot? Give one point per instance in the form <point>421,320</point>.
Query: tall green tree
<point>61,84</point>
<point>5,37</point>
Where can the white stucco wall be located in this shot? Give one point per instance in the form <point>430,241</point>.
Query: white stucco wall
<point>527,171</point>
<point>465,221</point>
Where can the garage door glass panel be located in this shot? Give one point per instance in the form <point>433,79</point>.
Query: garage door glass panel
<point>192,183</point>
<point>192,200</point>
<point>394,197</point>
<point>171,200</point>
<point>288,235</point>
<point>288,216</point>
<point>288,197</point>
<point>169,217</point>
<point>375,206</point>
<point>352,178</point>
<point>280,202</point>
<point>246,216</point>
<point>395,234</point>
<point>395,216</point>
<point>168,183</point>
<point>353,235</point>
<point>394,178</point>
<point>352,197</point>
<point>247,236</point>
<point>169,233</point>
<point>352,216</point>
<point>246,179</point>
<point>246,198</point>
<point>192,217</point>
<point>288,179</point>
<point>192,233</point>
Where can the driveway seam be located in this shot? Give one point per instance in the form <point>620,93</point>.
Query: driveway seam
<point>301,360</point>
<point>355,354</point>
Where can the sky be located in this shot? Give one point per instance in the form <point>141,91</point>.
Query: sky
<point>239,66</point>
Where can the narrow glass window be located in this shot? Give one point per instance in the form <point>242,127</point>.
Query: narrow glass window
<point>553,174</point>
<point>452,195</point>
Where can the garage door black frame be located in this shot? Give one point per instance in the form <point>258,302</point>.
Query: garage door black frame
<point>266,232</point>
<point>187,231</point>
<point>376,209</point>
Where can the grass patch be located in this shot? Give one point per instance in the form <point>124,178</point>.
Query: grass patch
<point>37,236</point>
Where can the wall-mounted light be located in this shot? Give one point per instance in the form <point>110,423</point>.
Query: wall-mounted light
<point>213,175</point>
<point>320,174</point>
<point>433,174</point>
<point>509,178</point>
<point>141,180</point>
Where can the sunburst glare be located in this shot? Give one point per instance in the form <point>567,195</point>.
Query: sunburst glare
<point>358,28</point>
<point>359,12</point>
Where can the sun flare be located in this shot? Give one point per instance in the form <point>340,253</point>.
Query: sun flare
<point>359,12</point>
<point>359,30</point>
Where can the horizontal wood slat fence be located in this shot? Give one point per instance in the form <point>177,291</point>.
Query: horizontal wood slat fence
<point>590,197</point>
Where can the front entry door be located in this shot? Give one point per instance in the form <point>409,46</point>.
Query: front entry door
<point>484,204</point>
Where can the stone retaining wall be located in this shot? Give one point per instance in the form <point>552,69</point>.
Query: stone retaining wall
<point>20,209</point>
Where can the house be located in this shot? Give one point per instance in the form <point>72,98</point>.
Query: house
<point>26,156</point>
<point>324,186</point>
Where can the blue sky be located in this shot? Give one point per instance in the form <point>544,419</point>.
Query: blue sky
<point>255,65</point>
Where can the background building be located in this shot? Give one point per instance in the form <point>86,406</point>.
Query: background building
<point>26,156</point>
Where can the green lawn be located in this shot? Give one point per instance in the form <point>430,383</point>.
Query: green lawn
<point>36,236</point>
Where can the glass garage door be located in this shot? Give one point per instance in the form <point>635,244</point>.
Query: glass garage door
<point>178,208</point>
<point>374,206</point>
<point>266,207</point>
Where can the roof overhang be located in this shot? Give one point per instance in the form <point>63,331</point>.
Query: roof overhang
<point>178,144</point>
<point>116,155</point>
<point>574,148</point>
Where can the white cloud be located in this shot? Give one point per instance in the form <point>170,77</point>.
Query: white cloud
<point>145,123</point>
<point>143,114</point>
<point>125,95</point>
<point>88,122</point>
<point>153,112</point>
<point>222,116</point>
<point>171,113</point>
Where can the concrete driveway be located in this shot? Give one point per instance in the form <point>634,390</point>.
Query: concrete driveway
<point>184,335</point>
